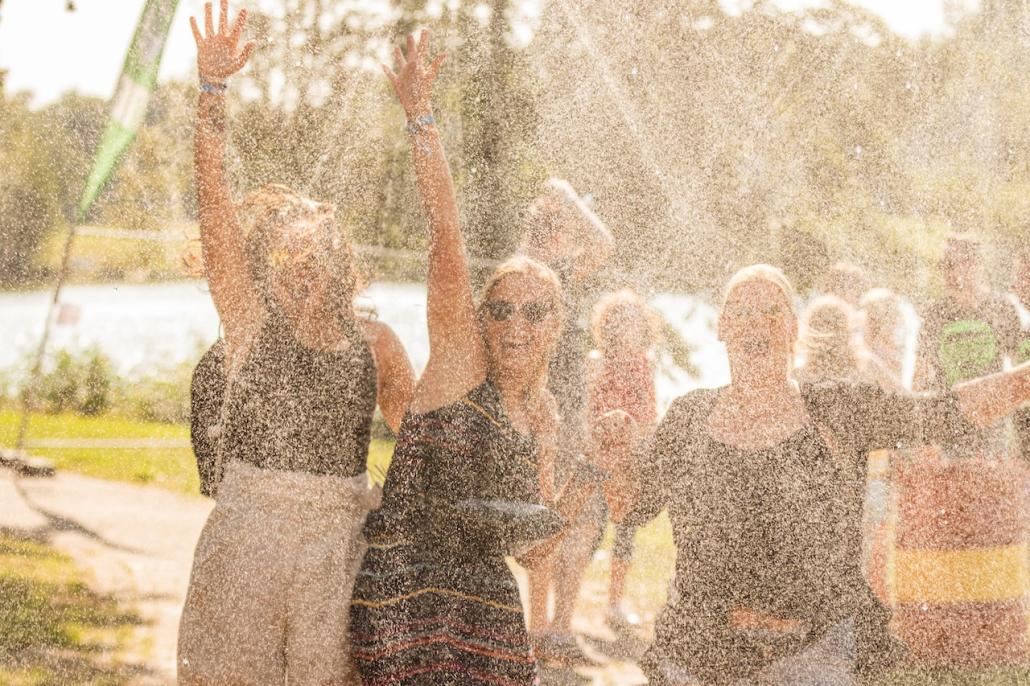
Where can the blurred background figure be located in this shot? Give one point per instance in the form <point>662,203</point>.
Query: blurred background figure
<point>883,334</point>
<point>830,349</point>
<point>883,329</point>
<point>1021,301</point>
<point>565,234</point>
<point>622,409</point>
<point>847,281</point>
<point>966,333</point>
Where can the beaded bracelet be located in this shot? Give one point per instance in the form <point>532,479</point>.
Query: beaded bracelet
<point>214,88</point>
<point>416,127</point>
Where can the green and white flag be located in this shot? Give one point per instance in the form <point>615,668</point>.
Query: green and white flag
<point>131,97</point>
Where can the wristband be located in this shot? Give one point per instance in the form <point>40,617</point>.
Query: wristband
<point>416,127</point>
<point>214,88</point>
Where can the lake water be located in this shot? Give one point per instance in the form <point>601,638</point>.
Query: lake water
<point>147,327</point>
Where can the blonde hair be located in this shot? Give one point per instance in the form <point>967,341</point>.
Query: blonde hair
<point>765,273</point>
<point>625,299</point>
<point>525,266</point>
<point>829,340</point>
<point>269,214</point>
<point>881,308</point>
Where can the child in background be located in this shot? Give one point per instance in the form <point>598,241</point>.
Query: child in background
<point>621,408</point>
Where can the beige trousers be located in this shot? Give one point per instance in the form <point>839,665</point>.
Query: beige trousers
<point>269,595</point>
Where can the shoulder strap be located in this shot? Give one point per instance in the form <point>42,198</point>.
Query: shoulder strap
<point>223,418</point>
<point>218,470</point>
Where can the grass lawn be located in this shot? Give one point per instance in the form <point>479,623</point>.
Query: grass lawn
<point>53,629</point>
<point>174,469</point>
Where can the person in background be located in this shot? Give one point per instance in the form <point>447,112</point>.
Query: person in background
<point>621,409</point>
<point>830,349</point>
<point>763,481</point>
<point>847,281</point>
<point>565,234</point>
<point>883,335</point>
<point>274,566</point>
<point>966,333</point>
<point>831,346</point>
<point>1021,302</point>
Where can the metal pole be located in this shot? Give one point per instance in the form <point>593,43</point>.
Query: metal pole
<point>27,395</point>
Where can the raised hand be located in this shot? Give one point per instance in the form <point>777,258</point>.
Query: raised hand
<point>218,54</point>
<point>413,81</point>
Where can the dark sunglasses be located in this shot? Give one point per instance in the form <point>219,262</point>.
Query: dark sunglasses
<point>532,312</point>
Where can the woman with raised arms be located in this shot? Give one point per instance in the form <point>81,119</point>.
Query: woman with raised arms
<point>274,566</point>
<point>435,602</point>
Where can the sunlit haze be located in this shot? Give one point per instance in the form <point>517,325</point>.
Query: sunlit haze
<point>92,40</point>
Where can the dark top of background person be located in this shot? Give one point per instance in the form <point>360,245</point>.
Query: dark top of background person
<point>564,233</point>
<point>1021,295</point>
<point>778,528</point>
<point>207,391</point>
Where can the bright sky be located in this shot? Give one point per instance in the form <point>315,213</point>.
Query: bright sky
<point>49,51</point>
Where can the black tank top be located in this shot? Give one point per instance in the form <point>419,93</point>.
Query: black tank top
<point>302,409</point>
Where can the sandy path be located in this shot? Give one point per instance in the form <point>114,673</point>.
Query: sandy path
<point>137,543</point>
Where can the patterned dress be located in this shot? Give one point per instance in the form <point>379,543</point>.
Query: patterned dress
<point>433,605</point>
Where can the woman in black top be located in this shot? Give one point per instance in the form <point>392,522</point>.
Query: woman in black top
<point>275,563</point>
<point>764,481</point>
<point>434,601</point>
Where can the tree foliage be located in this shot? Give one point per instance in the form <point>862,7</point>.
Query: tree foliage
<point>708,137</point>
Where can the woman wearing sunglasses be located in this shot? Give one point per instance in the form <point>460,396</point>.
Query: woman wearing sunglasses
<point>434,601</point>
<point>273,569</point>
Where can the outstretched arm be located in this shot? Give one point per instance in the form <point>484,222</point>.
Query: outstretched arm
<point>876,419</point>
<point>986,400</point>
<point>457,361</point>
<point>234,293</point>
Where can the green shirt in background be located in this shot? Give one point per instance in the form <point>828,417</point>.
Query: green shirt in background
<point>958,343</point>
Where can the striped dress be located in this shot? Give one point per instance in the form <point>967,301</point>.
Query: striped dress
<point>445,611</point>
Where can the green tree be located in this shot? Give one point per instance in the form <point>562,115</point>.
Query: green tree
<point>29,188</point>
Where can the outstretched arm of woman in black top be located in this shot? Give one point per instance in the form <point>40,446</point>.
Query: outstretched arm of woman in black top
<point>868,418</point>
<point>640,488</point>
<point>457,360</point>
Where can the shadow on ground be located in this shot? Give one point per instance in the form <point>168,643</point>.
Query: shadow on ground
<point>53,628</point>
